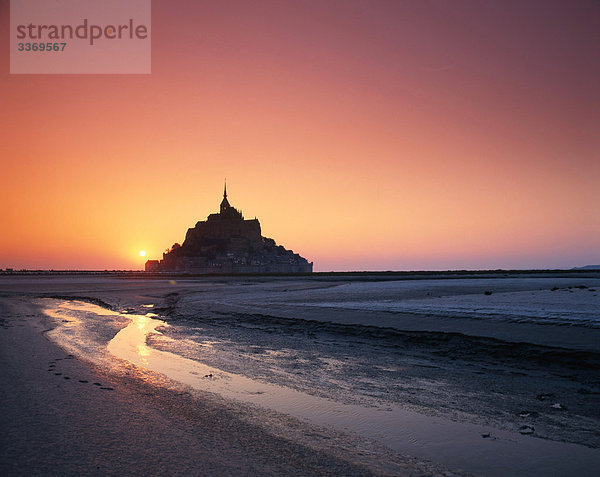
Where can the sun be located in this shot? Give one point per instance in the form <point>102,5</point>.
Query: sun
<point>142,253</point>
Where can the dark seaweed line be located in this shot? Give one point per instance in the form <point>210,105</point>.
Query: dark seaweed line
<point>87,299</point>
<point>585,323</point>
<point>449,344</point>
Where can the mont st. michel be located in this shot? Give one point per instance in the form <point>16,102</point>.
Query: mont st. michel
<point>227,243</point>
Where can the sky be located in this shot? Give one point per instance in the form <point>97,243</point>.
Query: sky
<point>364,135</point>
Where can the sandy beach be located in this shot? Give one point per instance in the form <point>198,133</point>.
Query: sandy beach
<point>240,376</point>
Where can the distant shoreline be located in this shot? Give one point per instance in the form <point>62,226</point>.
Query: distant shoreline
<point>369,275</point>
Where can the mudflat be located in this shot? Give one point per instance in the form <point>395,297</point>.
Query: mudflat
<point>301,376</point>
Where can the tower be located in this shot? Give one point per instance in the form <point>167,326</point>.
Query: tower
<point>225,203</point>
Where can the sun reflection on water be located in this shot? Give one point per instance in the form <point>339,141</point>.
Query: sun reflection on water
<point>143,350</point>
<point>140,321</point>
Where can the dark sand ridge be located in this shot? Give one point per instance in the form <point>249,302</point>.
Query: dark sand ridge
<point>63,416</point>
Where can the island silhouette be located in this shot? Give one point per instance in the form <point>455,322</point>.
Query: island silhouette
<point>227,243</point>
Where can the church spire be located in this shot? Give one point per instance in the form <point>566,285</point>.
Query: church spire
<point>225,203</point>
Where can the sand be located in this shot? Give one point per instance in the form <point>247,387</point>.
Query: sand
<point>63,416</point>
<point>492,366</point>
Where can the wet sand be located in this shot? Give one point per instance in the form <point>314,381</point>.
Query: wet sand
<point>62,416</point>
<point>502,373</point>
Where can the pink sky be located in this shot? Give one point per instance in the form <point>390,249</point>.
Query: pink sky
<point>364,135</point>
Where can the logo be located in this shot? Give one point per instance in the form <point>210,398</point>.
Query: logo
<point>80,37</point>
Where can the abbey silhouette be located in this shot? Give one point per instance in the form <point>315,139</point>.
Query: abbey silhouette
<point>227,243</point>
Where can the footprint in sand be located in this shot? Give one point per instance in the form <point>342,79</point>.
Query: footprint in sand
<point>57,374</point>
<point>83,381</point>
<point>106,388</point>
<point>66,377</point>
<point>97,384</point>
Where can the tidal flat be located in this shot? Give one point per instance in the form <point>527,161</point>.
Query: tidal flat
<point>489,374</point>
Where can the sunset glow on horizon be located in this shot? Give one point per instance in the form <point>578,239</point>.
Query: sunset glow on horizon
<point>363,135</point>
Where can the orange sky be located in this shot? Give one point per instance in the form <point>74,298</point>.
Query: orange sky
<point>364,135</point>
